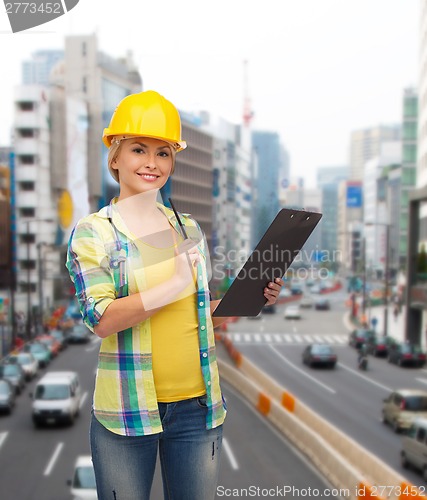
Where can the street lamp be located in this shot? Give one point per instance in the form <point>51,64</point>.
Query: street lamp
<point>386,270</point>
<point>27,238</point>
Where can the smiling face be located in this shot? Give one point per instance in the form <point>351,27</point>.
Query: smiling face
<point>142,164</point>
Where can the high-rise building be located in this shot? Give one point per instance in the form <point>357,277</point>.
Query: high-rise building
<point>37,70</point>
<point>328,180</point>
<point>365,144</point>
<point>269,154</point>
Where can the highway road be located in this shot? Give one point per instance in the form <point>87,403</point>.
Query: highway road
<point>348,398</point>
<point>35,464</point>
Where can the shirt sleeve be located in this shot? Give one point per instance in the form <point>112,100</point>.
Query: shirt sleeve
<point>89,266</point>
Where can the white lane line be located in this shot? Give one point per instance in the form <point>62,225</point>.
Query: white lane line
<point>257,337</point>
<point>308,338</point>
<point>53,460</point>
<point>356,372</point>
<point>318,338</point>
<point>83,399</point>
<point>267,337</point>
<point>422,380</point>
<point>3,436</point>
<point>277,337</point>
<point>287,337</point>
<point>302,371</point>
<point>294,328</point>
<point>340,339</point>
<point>236,337</point>
<point>230,454</point>
<point>298,338</point>
<point>247,337</point>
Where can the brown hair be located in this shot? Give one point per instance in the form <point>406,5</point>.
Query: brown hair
<point>114,152</point>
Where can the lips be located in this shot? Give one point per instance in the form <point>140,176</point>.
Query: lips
<point>149,177</point>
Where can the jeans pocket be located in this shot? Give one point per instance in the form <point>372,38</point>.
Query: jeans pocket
<point>202,401</point>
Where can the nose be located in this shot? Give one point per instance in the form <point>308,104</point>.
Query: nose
<point>150,160</point>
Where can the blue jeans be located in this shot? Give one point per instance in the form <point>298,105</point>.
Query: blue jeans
<point>189,456</point>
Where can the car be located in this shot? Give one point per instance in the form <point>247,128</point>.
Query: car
<point>292,312</point>
<point>378,345</point>
<point>50,342</point>
<point>322,304</point>
<point>285,292</point>
<point>7,396</point>
<point>402,406</point>
<point>315,289</point>
<point>319,355</point>
<point>59,335</point>
<point>80,334</point>
<point>83,485</point>
<point>414,447</point>
<point>28,362</point>
<point>40,352</point>
<point>359,337</point>
<point>306,302</point>
<point>15,374</point>
<point>56,398</point>
<point>406,354</point>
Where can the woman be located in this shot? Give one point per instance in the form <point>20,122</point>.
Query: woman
<point>143,290</point>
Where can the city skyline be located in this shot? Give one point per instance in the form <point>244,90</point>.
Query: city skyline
<point>334,79</point>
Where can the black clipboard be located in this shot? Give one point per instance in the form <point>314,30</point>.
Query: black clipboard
<point>270,259</point>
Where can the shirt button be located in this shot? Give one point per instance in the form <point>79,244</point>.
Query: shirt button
<point>203,327</point>
<point>200,277</point>
<point>205,355</point>
<point>201,303</point>
<point>209,382</point>
<point>90,300</point>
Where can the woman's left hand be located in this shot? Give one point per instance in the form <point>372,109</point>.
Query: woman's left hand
<point>272,290</point>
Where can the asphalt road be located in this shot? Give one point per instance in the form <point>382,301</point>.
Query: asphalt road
<point>348,398</point>
<point>35,464</point>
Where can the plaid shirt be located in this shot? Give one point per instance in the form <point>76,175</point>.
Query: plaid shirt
<point>100,256</point>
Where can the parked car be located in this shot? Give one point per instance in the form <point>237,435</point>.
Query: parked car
<point>319,355</point>
<point>292,312</point>
<point>28,363</point>
<point>40,352</point>
<point>402,406</point>
<point>15,374</point>
<point>50,342</point>
<point>406,354</point>
<point>322,304</point>
<point>80,334</point>
<point>59,335</point>
<point>83,485</point>
<point>359,337</point>
<point>414,447</point>
<point>306,302</point>
<point>378,345</point>
<point>7,396</point>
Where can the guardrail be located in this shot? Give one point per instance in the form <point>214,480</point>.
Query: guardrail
<point>347,465</point>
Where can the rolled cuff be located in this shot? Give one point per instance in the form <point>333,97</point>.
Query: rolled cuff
<point>93,310</point>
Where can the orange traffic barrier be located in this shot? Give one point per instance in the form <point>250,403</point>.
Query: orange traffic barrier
<point>288,401</point>
<point>264,404</point>
<point>408,490</point>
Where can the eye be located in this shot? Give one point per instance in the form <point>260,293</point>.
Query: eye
<point>138,150</point>
<point>164,154</point>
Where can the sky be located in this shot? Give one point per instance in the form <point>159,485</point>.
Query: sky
<point>316,70</point>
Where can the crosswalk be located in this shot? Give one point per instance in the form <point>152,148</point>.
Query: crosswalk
<point>287,338</point>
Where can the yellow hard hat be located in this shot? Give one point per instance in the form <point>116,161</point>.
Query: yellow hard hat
<point>146,114</point>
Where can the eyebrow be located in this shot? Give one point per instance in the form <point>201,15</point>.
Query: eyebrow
<point>145,145</point>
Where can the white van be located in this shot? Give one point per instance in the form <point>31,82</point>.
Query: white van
<point>414,447</point>
<point>56,398</point>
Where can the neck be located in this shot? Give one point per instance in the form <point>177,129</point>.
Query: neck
<point>143,204</point>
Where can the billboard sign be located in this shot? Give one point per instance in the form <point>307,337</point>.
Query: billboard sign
<point>354,196</point>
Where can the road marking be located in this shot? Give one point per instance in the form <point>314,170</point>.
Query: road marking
<point>277,337</point>
<point>230,454</point>
<point>236,337</point>
<point>247,337</point>
<point>53,460</point>
<point>302,371</point>
<point>294,328</point>
<point>83,399</point>
<point>318,338</point>
<point>257,337</point>
<point>356,372</point>
<point>298,338</point>
<point>308,338</point>
<point>287,337</point>
<point>3,436</point>
<point>267,337</point>
<point>422,380</point>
